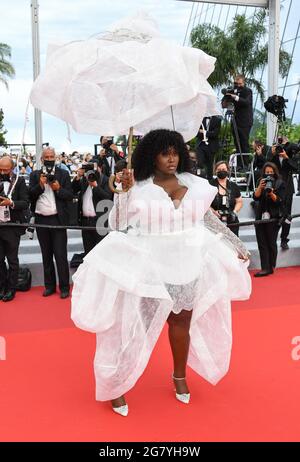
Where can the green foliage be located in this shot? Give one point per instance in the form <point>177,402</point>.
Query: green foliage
<point>2,130</point>
<point>6,68</point>
<point>241,49</point>
<point>292,131</point>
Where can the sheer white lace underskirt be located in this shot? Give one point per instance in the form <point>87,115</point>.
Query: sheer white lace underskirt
<point>183,296</point>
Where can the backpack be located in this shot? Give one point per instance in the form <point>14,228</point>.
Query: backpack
<point>24,280</point>
<point>76,260</point>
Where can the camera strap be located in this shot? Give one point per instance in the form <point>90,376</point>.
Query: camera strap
<point>12,186</point>
<point>228,192</point>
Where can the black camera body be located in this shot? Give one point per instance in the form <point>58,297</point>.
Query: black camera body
<point>276,105</point>
<point>49,173</point>
<point>227,216</point>
<point>90,172</point>
<point>279,148</point>
<point>227,101</point>
<point>270,181</point>
<point>107,146</point>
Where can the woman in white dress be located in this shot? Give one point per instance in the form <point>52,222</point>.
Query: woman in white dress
<point>168,259</point>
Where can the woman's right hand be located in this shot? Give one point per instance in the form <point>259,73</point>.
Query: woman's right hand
<point>215,212</point>
<point>127,178</point>
<point>262,184</point>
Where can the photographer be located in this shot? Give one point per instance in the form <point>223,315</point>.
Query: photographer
<point>262,153</point>
<point>228,202</point>
<point>283,157</point>
<point>241,98</point>
<point>50,193</point>
<point>109,155</point>
<point>13,204</point>
<point>91,185</point>
<point>208,144</point>
<point>269,196</point>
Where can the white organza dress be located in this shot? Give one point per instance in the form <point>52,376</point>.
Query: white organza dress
<point>159,259</point>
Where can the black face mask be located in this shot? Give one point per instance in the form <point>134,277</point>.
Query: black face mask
<point>49,164</point>
<point>266,175</point>
<point>222,174</point>
<point>4,177</point>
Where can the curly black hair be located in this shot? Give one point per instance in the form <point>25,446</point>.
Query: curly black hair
<point>154,143</point>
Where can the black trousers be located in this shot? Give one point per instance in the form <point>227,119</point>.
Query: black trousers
<point>266,235</point>
<point>9,248</point>
<point>243,133</point>
<point>285,229</point>
<point>205,157</point>
<point>89,238</point>
<point>53,243</point>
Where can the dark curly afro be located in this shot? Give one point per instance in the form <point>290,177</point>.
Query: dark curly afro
<point>154,143</point>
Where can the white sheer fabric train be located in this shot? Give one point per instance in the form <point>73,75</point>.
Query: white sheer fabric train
<point>160,259</point>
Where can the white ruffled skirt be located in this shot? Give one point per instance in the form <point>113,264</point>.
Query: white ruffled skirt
<point>127,286</point>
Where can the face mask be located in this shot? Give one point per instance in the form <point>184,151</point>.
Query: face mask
<point>4,177</point>
<point>222,174</point>
<point>266,175</point>
<point>49,164</point>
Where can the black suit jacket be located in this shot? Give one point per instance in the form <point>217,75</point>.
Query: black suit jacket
<point>101,192</point>
<point>265,204</point>
<point>63,196</point>
<point>244,108</point>
<point>212,133</point>
<point>286,169</point>
<point>105,161</point>
<point>21,203</point>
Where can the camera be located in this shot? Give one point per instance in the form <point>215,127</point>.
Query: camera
<point>276,105</point>
<point>227,101</point>
<point>90,172</point>
<point>49,173</point>
<point>279,148</point>
<point>269,184</point>
<point>227,216</point>
<point>107,147</point>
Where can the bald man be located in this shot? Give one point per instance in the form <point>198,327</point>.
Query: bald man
<point>13,203</point>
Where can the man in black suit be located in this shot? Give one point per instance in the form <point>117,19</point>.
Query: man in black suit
<point>243,112</point>
<point>109,155</point>
<point>92,188</point>
<point>51,194</point>
<point>13,204</point>
<point>207,146</point>
<point>282,157</point>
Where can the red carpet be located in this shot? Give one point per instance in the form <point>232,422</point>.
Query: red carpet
<point>47,384</point>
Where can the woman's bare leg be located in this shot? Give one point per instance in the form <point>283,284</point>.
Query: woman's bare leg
<point>179,326</point>
<point>118,401</point>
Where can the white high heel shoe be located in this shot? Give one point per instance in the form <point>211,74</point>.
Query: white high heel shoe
<point>182,397</point>
<point>122,410</point>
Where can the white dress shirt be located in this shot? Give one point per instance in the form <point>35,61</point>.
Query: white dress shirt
<point>88,209</point>
<point>46,205</point>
